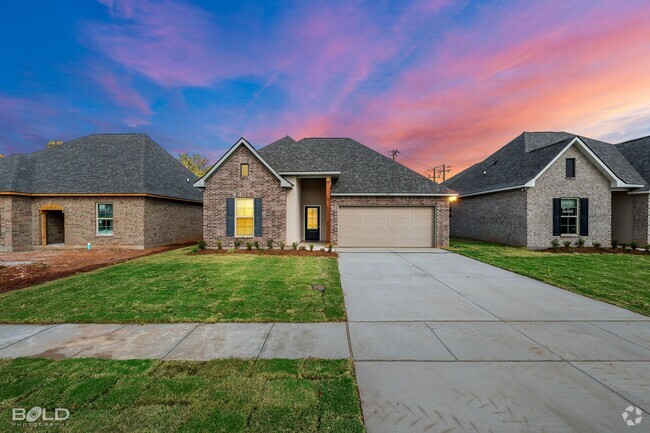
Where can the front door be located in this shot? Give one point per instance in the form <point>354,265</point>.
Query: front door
<point>312,223</point>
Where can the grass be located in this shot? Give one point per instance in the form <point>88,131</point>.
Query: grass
<point>176,396</point>
<point>177,287</point>
<point>619,279</point>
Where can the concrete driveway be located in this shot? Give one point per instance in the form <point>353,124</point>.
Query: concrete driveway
<point>444,343</point>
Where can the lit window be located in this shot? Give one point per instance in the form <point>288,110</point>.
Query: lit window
<point>312,218</point>
<point>105,219</point>
<point>244,211</point>
<point>569,216</point>
<point>570,168</point>
<point>243,169</point>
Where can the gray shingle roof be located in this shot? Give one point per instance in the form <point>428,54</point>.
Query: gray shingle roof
<point>100,164</point>
<point>638,153</point>
<point>526,156</point>
<point>363,170</point>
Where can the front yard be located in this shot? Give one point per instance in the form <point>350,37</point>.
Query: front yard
<point>177,287</point>
<point>173,396</point>
<point>620,279</point>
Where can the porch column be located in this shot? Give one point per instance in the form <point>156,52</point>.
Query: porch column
<point>328,185</point>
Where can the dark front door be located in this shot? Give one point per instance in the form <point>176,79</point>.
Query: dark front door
<point>312,223</point>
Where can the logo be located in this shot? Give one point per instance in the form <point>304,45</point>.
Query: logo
<point>39,415</point>
<point>632,416</point>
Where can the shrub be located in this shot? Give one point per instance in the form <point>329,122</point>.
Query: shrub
<point>580,243</point>
<point>567,244</point>
<point>624,245</point>
<point>219,246</point>
<point>647,248</point>
<point>614,243</point>
<point>634,246</point>
<point>281,245</point>
<point>596,244</point>
<point>302,248</point>
<point>201,245</point>
<point>195,249</point>
<point>329,247</point>
<point>294,245</point>
<point>311,247</point>
<point>237,243</point>
<point>269,243</point>
<point>257,245</point>
<point>249,245</point>
<point>230,250</point>
<point>555,244</point>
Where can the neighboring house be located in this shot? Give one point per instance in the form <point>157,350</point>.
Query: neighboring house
<point>555,185</point>
<point>321,189</point>
<point>120,190</point>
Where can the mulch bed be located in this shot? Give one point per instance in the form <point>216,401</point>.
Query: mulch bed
<point>266,252</point>
<point>591,250</point>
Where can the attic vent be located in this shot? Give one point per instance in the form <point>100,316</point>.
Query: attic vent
<point>495,162</point>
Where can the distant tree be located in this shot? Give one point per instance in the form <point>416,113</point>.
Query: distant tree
<point>54,143</point>
<point>195,162</point>
<point>1,155</point>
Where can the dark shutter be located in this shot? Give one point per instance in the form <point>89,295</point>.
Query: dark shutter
<point>557,212</point>
<point>230,217</point>
<point>584,217</point>
<point>258,217</point>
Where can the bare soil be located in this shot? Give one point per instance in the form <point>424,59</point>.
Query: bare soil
<point>51,265</point>
<point>274,252</point>
<point>592,250</point>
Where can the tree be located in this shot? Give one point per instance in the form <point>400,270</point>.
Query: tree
<point>195,162</point>
<point>1,155</point>
<point>54,143</point>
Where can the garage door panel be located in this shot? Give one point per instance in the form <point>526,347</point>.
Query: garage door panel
<point>385,226</point>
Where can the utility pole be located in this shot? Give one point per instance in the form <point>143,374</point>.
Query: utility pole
<point>393,154</point>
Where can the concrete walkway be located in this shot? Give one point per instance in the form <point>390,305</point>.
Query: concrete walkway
<point>444,343</point>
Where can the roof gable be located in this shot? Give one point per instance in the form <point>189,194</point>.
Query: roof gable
<point>637,152</point>
<point>241,142</point>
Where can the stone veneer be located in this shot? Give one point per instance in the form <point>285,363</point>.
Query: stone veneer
<point>441,204</point>
<point>227,182</point>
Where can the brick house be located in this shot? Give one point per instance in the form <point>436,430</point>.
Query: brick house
<point>321,190</point>
<point>555,185</point>
<point>118,190</point>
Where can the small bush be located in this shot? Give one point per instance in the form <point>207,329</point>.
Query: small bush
<point>219,246</point>
<point>230,250</point>
<point>567,244</point>
<point>269,243</point>
<point>201,245</point>
<point>596,244</point>
<point>580,243</point>
<point>302,248</point>
<point>624,245</point>
<point>195,249</point>
<point>257,245</point>
<point>329,247</point>
<point>249,245</point>
<point>237,243</point>
<point>281,245</point>
<point>634,246</point>
<point>311,247</point>
<point>294,245</point>
<point>614,243</point>
<point>322,250</point>
<point>647,248</point>
<point>555,244</point>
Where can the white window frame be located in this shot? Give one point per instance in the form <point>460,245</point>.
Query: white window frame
<point>251,217</point>
<point>97,219</point>
<point>577,217</point>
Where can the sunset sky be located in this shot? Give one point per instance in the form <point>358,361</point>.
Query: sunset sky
<point>442,81</point>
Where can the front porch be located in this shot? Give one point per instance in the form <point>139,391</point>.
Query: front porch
<point>630,218</point>
<point>309,211</point>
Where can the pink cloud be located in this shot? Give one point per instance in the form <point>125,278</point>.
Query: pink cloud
<point>120,90</point>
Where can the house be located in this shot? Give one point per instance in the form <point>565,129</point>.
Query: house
<point>555,185</point>
<point>119,190</point>
<point>333,190</point>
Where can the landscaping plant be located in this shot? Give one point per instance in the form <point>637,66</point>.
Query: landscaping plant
<point>294,245</point>
<point>567,244</point>
<point>555,244</point>
<point>580,243</point>
<point>249,245</point>
<point>269,243</point>
<point>596,244</point>
<point>311,247</point>
<point>614,243</point>
<point>219,246</point>
<point>257,245</point>
<point>237,243</point>
<point>647,248</point>
<point>329,247</point>
<point>634,246</point>
<point>201,244</point>
<point>282,245</point>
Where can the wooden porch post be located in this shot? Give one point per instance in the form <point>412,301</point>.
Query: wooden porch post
<point>328,205</point>
<point>43,228</point>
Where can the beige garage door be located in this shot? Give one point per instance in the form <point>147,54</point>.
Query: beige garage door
<point>365,226</point>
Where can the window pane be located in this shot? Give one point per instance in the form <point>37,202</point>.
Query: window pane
<point>105,227</point>
<point>569,207</point>
<point>312,218</point>
<point>244,207</point>
<point>244,227</point>
<point>104,211</point>
<point>570,167</point>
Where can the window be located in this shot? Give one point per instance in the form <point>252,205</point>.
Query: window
<point>569,216</point>
<point>244,211</point>
<point>243,169</point>
<point>105,219</point>
<point>570,168</point>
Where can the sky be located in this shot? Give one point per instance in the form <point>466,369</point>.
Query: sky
<point>442,81</point>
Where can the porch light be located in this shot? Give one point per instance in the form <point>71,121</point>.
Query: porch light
<point>453,198</point>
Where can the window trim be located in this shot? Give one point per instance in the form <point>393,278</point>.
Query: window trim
<point>237,235</point>
<point>97,219</point>
<point>241,169</point>
<point>566,168</point>
<point>577,217</point>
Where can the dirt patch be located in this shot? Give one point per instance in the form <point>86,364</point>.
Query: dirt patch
<point>263,252</point>
<point>591,250</point>
<point>52,265</point>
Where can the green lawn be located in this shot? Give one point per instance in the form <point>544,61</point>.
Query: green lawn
<point>177,287</point>
<point>620,279</point>
<point>176,396</point>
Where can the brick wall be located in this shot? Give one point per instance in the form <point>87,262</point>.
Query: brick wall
<point>227,182</point>
<point>169,222</point>
<point>441,204</point>
<point>589,182</point>
<point>641,225</point>
<point>499,217</point>
<point>15,223</point>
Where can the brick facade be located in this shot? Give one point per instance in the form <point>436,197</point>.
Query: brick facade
<point>441,204</point>
<point>227,182</point>
<point>139,222</point>
<point>641,223</point>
